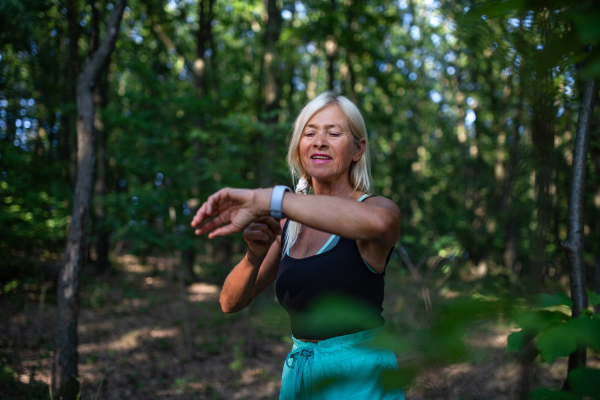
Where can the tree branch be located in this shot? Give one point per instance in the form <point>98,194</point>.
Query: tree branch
<point>96,60</point>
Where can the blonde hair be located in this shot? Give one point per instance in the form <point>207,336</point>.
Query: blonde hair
<point>360,171</point>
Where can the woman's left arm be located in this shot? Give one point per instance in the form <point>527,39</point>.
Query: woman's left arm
<point>373,223</point>
<point>376,220</point>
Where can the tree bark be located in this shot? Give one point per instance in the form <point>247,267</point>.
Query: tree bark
<point>68,139</point>
<point>204,39</point>
<point>510,253</point>
<point>64,375</point>
<point>331,45</point>
<point>573,247</point>
<point>101,187</point>
<point>596,272</point>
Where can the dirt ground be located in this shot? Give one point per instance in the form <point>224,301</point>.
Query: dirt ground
<point>132,330</point>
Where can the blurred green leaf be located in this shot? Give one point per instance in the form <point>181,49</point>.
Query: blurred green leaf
<point>400,378</point>
<point>585,382</point>
<point>587,331</point>
<point>337,314</point>
<point>544,300</point>
<point>594,298</point>
<point>586,23</point>
<point>536,321</point>
<point>557,341</point>
<point>496,8</point>
<point>518,340</point>
<point>549,394</point>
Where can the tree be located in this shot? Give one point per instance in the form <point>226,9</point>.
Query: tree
<point>64,376</point>
<point>573,247</point>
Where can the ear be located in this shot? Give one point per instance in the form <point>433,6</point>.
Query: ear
<point>359,150</point>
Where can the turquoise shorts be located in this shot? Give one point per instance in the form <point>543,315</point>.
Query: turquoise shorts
<point>343,367</point>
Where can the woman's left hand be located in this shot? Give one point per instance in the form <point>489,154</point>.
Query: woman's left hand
<point>231,211</point>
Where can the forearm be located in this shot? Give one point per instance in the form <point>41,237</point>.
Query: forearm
<point>239,285</point>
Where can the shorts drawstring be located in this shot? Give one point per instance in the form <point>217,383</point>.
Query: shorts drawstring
<point>305,356</point>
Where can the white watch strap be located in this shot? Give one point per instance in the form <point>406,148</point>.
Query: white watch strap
<point>277,200</point>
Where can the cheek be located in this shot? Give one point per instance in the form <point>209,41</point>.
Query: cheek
<point>303,148</point>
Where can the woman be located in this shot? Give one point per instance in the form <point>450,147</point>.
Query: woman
<point>327,249</point>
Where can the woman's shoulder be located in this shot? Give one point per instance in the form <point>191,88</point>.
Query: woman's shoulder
<point>385,203</point>
<point>380,200</point>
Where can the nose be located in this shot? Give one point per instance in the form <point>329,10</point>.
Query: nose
<point>320,140</point>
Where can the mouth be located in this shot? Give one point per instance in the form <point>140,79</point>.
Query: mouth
<point>320,157</point>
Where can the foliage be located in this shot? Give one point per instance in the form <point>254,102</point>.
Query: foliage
<point>439,86</point>
<point>549,327</point>
<point>450,90</point>
<point>15,389</point>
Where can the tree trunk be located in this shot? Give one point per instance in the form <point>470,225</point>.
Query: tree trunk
<point>64,376</point>
<point>331,44</point>
<point>204,39</point>
<point>100,102</point>
<point>596,271</point>
<point>101,187</point>
<point>271,82</point>
<point>271,78</point>
<point>573,247</point>
<point>511,228</point>
<point>68,141</point>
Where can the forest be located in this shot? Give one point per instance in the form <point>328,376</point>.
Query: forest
<point>119,118</point>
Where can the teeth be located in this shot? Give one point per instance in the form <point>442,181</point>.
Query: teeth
<point>321,158</point>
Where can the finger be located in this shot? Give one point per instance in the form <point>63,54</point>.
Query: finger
<point>218,201</point>
<point>224,231</point>
<point>209,208</point>
<point>258,236</point>
<point>262,227</point>
<point>200,216</point>
<point>271,222</point>
<point>274,225</point>
<point>210,225</point>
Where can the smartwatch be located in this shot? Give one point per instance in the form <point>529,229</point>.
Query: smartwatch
<point>277,200</point>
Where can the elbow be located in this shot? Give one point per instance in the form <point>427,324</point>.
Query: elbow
<point>228,306</point>
<point>386,227</point>
<point>227,309</point>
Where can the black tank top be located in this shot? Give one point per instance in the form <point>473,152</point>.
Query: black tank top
<point>330,294</point>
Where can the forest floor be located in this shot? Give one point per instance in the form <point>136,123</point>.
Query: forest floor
<point>132,330</point>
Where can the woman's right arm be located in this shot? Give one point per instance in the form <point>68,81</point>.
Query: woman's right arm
<point>258,269</point>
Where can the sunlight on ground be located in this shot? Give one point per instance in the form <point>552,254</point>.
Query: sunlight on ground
<point>131,263</point>
<point>495,338</point>
<point>155,282</point>
<point>203,292</point>
<point>128,341</point>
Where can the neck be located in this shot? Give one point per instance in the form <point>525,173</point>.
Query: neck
<point>337,188</point>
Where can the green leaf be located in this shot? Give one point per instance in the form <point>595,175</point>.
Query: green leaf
<point>559,299</point>
<point>584,381</point>
<point>586,24</point>
<point>557,341</point>
<point>549,394</point>
<point>587,331</point>
<point>497,8</point>
<point>537,321</point>
<point>594,298</point>
<point>518,340</point>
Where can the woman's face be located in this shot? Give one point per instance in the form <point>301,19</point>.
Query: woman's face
<point>327,147</point>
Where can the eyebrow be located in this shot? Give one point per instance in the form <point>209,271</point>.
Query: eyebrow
<point>326,126</point>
